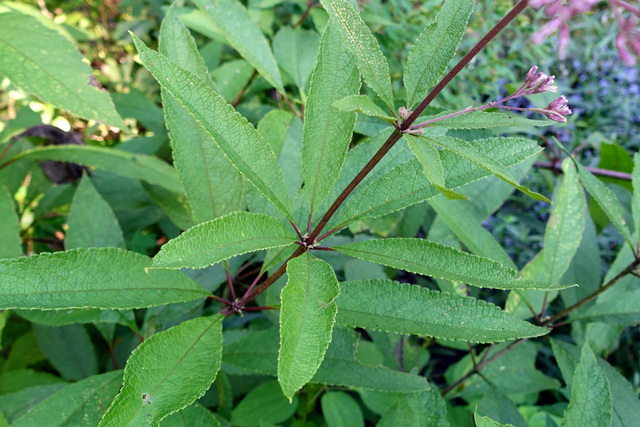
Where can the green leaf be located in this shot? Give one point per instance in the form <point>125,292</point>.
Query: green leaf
<point>635,199</point>
<point>82,403</point>
<point>91,221</point>
<point>235,136</point>
<point>14,405</point>
<point>433,259</point>
<point>626,407</point>
<point>606,199</point>
<point>19,379</point>
<point>364,47</point>
<point>624,309</point>
<point>174,205</point>
<point>167,372</point>
<point>264,403</point>
<point>470,231</point>
<point>480,120</point>
<point>123,163</point>
<point>341,410</point>
<point>84,315</point>
<point>231,18</point>
<point>69,349</point>
<point>468,151</point>
<point>362,104</point>
<point>94,278</point>
<point>487,422</point>
<point>231,78</point>
<point>434,49</point>
<point>193,415</point>
<point>411,309</point>
<point>429,156</point>
<point>11,243</point>
<point>213,185</point>
<point>41,61</point>
<point>565,226</point>
<point>375,197</point>
<point>258,353</point>
<point>296,52</point>
<point>327,131</point>
<point>307,315</point>
<point>590,402</point>
<point>421,409</point>
<point>222,238</point>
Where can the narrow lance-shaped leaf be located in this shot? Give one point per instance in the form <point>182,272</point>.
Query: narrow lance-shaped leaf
<point>635,199</point>
<point>327,132</point>
<point>131,165</point>
<point>167,372</point>
<point>91,278</point>
<point>364,47</point>
<point>233,21</point>
<point>406,185</point>
<point>92,222</point>
<point>296,53</point>
<point>433,259</point>
<point>11,244</point>
<point>566,224</point>
<point>468,151</point>
<point>235,136</point>
<point>429,156</point>
<point>411,309</point>
<point>623,309</point>
<point>481,120</point>
<point>362,104</point>
<point>434,49</point>
<point>307,316</point>
<point>82,403</point>
<point>590,403</point>
<point>222,238</point>
<point>62,79</point>
<point>213,186</point>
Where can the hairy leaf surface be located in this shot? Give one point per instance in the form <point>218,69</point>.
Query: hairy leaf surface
<point>362,104</point>
<point>11,243</point>
<point>327,131</point>
<point>91,278</point>
<point>433,259</point>
<point>222,238</point>
<point>231,18</point>
<point>214,187</point>
<point>590,402</point>
<point>434,49</point>
<point>411,309</point>
<point>480,120</point>
<point>41,61</point>
<point>307,315</point>
<point>364,47</point>
<point>235,136</point>
<point>167,372</point>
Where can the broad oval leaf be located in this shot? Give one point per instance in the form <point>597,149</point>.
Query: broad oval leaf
<point>193,415</point>
<point>340,409</point>
<point>327,132</point>
<point>222,238</point>
<point>91,278</point>
<point>131,165</point>
<point>167,372</point>
<point>307,315</point>
<point>590,403</point>
<point>61,78</point>
<point>434,49</point>
<point>566,224</point>
<point>411,309</point>
<point>213,185</point>
<point>235,136</point>
<point>82,403</point>
<point>364,47</point>
<point>251,410</point>
<point>433,259</point>
<point>231,18</point>
<point>92,222</point>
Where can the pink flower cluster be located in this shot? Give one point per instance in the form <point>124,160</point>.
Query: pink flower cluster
<point>561,11</point>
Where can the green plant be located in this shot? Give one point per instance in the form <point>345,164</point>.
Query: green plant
<point>273,199</point>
